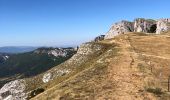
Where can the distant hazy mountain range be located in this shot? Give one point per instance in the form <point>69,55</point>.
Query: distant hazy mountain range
<point>17,49</point>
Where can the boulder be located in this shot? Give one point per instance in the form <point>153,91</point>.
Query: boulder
<point>14,90</point>
<point>47,77</point>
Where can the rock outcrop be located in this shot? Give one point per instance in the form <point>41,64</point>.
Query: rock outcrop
<point>139,25</point>
<point>120,28</point>
<point>57,52</point>
<point>13,90</point>
<point>144,25</point>
<point>99,38</point>
<point>163,25</point>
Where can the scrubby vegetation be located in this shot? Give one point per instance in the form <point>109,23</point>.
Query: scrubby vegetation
<point>156,91</point>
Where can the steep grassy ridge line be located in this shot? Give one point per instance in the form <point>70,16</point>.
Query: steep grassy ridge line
<point>134,66</point>
<point>86,83</point>
<point>87,54</point>
<point>117,79</point>
<point>131,66</point>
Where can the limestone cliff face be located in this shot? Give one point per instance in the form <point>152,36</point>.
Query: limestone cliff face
<point>119,28</point>
<point>139,25</point>
<point>57,52</point>
<point>143,25</point>
<point>163,25</point>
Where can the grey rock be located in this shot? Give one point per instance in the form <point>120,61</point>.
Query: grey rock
<point>13,90</point>
<point>143,25</point>
<point>120,28</point>
<point>47,77</point>
<point>163,25</point>
<point>99,38</point>
<point>148,26</point>
<point>88,48</point>
<point>57,52</point>
<point>50,76</point>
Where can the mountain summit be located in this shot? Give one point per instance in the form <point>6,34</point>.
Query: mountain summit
<point>139,25</point>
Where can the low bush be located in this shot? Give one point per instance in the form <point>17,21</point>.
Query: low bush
<point>156,91</point>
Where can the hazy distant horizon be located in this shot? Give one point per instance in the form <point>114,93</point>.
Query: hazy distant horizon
<point>41,46</point>
<point>22,49</point>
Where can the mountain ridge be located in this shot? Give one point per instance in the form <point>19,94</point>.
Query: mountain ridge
<point>123,64</point>
<point>149,26</point>
<point>31,63</point>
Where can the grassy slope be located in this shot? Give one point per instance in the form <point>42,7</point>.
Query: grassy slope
<point>136,69</point>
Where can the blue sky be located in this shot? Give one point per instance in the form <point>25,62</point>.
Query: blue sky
<point>69,22</point>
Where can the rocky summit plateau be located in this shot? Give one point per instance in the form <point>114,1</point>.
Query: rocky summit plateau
<point>139,25</point>
<point>130,62</point>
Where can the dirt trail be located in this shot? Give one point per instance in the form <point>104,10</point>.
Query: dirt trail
<point>129,81</point>
<point>121,79</point>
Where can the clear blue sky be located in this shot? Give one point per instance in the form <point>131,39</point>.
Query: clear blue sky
<point>69,22</point>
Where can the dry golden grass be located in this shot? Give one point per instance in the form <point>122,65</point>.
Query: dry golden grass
<point>134,66</point>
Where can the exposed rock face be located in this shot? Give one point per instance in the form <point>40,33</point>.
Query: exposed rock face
<point>163,25</point>
<point>139,25</point>
<point>47,77</point>
<point>88,48</point>
<point>62,52</point>
<point>143,25</point>
<point>13,90</point>
<point>99,38</point>
<point>85,50</point>
<point>50,76</point>
<point>119,28</point>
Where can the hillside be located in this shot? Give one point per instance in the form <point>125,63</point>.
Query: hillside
<point>3,57</point>
<point>32,63</point>
<point>134,66</point>
<point>131,61</point>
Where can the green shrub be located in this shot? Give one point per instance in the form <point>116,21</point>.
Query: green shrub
<point>156,91</point>
<point>36,92</point>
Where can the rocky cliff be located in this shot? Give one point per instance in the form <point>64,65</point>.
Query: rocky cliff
<point>139,25</point>
<point>144,25</point>
<point>120,28</point>
<point>163,25</point>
